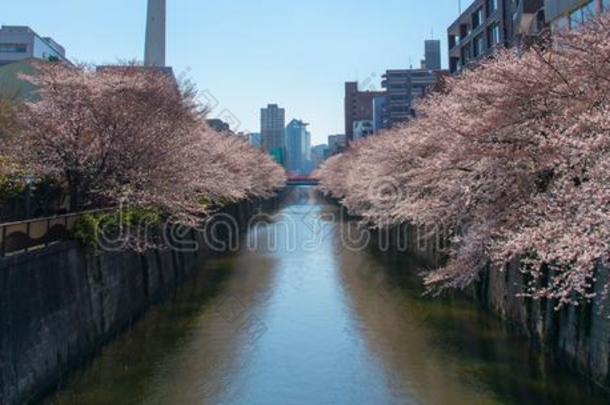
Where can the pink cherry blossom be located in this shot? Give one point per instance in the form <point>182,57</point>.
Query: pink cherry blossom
<point>129,135</point>
<point>513,156</point>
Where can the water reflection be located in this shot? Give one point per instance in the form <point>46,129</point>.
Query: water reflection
<point>284,324</point>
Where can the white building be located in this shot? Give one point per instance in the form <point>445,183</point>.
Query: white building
<point>19,42</point>
<point>379,113</point>
<point>363,129</point>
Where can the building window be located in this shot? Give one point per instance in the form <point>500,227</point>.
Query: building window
<point>418,91</point>
<point>477,18</point>
<point>478,45</point>
<point>493,35</point>
<point>582,14</point>
<point>464,31</point>
<point>492,7</point>
<point>454,64</point>
<point>575,18</point>
<point>589,11</point>
<point>465,54</point>
<point>13,48</point>
<point>455,39</point>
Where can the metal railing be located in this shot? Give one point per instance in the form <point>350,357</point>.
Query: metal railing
<point>24,236</point>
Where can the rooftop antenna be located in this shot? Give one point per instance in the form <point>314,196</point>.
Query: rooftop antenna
<point>460,6</point>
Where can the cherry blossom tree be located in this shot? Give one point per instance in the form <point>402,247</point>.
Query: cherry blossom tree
<point>8,121</point>
<point>9,128</point>
<point>513,157</point>
<point>129,135</point>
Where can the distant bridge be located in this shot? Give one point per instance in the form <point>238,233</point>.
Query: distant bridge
<point>302,181</point>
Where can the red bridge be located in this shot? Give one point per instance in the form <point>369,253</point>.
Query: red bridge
<point>302,181</point>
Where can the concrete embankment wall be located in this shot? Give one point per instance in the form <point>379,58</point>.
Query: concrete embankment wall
<point>575,336</point>
<point>59,305</point>
<point>578,337</point>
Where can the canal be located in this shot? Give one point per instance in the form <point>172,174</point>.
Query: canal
<point>296,316</point>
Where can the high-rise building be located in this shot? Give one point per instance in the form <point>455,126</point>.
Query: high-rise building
<point>433,54</point>
<point>336,144</point>
<point>358,106</point>
<point>404,86</point>
<point>319,154</point>
<point>273,121</point>
<point>154,53</point>
<point>298,147</point>
<point>487,24</point>
<point>371,112</point>
<point>307,146</point>
<point>255,140</point>
<point>18,43</point>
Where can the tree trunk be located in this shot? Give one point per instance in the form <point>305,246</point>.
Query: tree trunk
<point>75,197</point>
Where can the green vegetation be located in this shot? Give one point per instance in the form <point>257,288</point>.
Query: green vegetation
<point>10,187</point>
<point>132,222</point>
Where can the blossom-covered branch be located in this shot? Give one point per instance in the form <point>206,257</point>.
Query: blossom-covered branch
<point>513,156</point>
<point>128,135</point>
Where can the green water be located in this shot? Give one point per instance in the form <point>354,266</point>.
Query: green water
<point>298,317</point>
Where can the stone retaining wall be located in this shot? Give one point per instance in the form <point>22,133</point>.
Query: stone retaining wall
<point>59,305</point>
<point>578,337</point>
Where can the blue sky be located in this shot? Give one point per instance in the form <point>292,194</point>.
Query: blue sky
<point>243,54</point>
